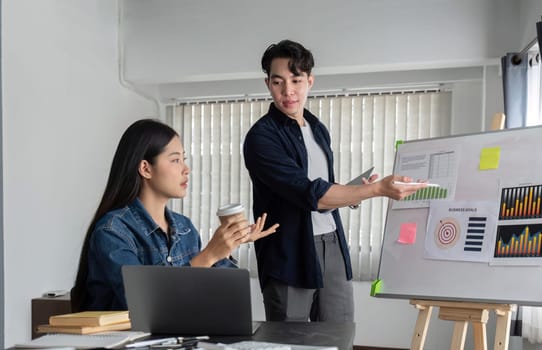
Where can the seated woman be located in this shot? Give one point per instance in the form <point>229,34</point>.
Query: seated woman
<point>133,226</point>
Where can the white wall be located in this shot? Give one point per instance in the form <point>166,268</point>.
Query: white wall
<point>63,113</point>
<point>530,13</point>
<point>178,41</point>
<point>64,110</point>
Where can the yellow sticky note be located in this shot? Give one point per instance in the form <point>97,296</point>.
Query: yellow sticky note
<point>489,158</point>
<point>375,287</point>
<point>407,233</point>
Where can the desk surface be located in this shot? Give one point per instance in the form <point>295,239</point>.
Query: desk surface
<point>340,335</point>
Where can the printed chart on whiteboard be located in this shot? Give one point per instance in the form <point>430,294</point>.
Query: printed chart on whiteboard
<point>461,230</point>
<point>436,167</point>
<point>519,232</point>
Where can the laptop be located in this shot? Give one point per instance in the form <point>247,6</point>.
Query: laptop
<point>189,300</point>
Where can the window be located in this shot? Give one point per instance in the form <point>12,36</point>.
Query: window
<point>364,130</point>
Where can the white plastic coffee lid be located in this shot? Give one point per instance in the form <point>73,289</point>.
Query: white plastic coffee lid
<point>230,209</point>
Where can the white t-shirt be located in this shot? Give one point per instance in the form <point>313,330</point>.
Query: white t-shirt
<point>317,168</point>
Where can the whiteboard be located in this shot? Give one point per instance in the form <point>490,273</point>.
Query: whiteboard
<point>478,237</point>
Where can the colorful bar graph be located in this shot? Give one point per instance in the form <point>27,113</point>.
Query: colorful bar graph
<point>521,203</point>
<point>519,241</point>
<point>428,193</point>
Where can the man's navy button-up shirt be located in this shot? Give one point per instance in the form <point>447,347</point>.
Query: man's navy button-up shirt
<point>276,159</point>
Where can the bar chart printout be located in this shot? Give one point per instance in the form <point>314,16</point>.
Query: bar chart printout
<point>428,193</point>
<point>435,167</point>
<point>519,241</point>
<point>520,203</point>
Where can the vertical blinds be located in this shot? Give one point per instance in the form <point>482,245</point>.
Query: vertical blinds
<point>364,130</point>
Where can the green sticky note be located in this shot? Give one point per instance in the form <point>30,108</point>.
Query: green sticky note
<point>375,287</point>
<point>397,143</point>
<point>489,158</point>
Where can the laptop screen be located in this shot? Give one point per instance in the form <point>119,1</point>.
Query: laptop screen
<point>188,300</point>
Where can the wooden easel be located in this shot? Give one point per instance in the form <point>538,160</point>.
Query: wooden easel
<point>462,313</point>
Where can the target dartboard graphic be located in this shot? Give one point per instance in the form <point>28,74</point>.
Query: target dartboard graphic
<point>447,233</point>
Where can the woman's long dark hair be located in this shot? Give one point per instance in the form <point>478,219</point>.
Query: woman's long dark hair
<point>143,140</point>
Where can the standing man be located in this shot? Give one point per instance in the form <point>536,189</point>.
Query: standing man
<point>304,270</point>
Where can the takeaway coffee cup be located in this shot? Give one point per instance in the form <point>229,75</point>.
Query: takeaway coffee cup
<point>231,213</point>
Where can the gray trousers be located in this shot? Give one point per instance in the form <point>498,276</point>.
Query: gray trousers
<point>334,302</point>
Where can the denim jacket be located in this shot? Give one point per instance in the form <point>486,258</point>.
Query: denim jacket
<point>129,236</point>
<point>276,159</point>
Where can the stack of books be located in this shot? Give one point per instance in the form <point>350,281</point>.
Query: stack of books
<point>87,322</point>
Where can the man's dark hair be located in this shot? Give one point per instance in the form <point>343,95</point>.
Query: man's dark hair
<point>300,59</point>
